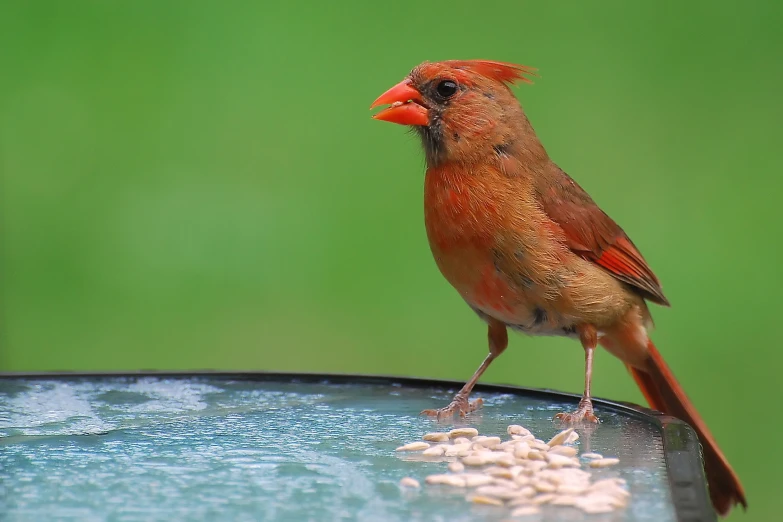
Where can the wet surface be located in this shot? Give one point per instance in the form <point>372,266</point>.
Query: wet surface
<point>212,448</point>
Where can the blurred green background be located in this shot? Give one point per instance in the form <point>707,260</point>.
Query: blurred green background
<point>191,185</point>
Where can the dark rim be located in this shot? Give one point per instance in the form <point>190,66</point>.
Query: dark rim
<point>682,451</point>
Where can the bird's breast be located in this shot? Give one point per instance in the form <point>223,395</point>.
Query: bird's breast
<point>467,219</point>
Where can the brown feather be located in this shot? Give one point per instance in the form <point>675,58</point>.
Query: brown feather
<point>594,236</point>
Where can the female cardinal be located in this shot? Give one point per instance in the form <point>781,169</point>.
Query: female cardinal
<point>526,247</point>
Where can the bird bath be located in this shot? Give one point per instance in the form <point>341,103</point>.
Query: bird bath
<point>219,446</point>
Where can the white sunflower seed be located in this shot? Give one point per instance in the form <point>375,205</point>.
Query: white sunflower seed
<point>474,480</point>
<point>604,463</point>
<point>436,451</point>
<point>409,482</point>
<point>474,460</point>
<point>499,472</point>
<point>540,446</point>
<point>456,467</point>
<point>543,486</point>
<point>479,499</point>
<point>543,499</point>
<point>447,480</point>
<point>413,446</point>
<point>525,511</point>
<point>516,429</point>
<point>497,492</point>
<point>561,437</point>
<point>463,432</point>
<point>566,451</point>
<point>592,456</point>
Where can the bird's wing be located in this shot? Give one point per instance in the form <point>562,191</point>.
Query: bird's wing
<point>594,236</point>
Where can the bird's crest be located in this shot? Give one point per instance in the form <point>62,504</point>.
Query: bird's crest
<point>508,73</point>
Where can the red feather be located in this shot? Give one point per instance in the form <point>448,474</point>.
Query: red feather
<point>500,71</point>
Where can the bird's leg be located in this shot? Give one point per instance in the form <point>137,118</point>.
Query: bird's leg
<point>498,340</point>
<point>589,337</point>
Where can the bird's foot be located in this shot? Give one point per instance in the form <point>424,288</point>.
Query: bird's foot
<point>459,404</point>
<point>583,413</point>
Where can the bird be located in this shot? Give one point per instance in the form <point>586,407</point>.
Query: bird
<point>527,248</point>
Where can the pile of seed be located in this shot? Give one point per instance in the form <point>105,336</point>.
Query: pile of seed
<point>522,473</point>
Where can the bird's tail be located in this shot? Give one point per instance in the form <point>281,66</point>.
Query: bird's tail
<point>665,394</point>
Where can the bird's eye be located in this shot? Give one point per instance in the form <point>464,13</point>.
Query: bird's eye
<point>446,89</point>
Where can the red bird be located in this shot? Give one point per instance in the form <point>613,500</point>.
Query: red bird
<point>526,247</point>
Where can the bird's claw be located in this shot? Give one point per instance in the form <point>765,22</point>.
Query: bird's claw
<point>459,404</point>
<point>583,413</point>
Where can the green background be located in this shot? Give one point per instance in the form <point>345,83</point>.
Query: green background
<point>191,185</point>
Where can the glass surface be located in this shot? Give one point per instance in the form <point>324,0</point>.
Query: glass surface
<point>212,448</point>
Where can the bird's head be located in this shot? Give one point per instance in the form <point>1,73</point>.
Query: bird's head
<point>462,109</point>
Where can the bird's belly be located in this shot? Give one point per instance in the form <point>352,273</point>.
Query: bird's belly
<point>492,294</point>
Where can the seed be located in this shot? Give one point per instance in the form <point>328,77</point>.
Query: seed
<point>521,480</point>
<point>455,449</point>
<point>543,499</point>
<point>409,482</point>
<point>566,451</point>
<point>568,489</point>
<point>535,466</point>
<point>437,451</point>
<point>572,438</point>
<point>520,501</point>
<point>540,446</point>
<point>488,442</point>
<point>446,480</point>
<point>463,432</point>
<point>435,479</point>
<point>543,486</point>
<point>559,461</point>
<point>525,511</point>
<point>522,450</point>
<point>527,491</point>
<point>499,472</point>
<point>456,467</point>
<point>498,492</point>
<point>479,499</point>
<point>604,463</point>
<point>561,437</point>
<point>505,483</point>
<point>535,455</point>
<point>474,480</point>
<point>592,456</point>
<point>564,500</point>
<point>551,475</point>
<point>516,429</point>
<point>462,440</point>
<point>413,446</point>
<point>474,460</point>
<point>503,459</point>
<point>436,437</point>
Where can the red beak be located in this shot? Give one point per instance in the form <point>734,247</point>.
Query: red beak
<point>406,105</point>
